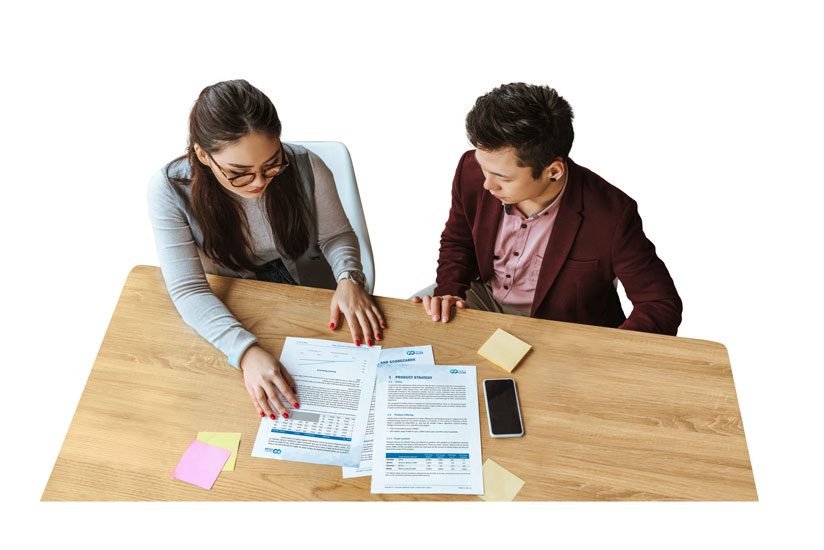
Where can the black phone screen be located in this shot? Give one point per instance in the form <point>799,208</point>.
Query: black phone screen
<point>502,407</point>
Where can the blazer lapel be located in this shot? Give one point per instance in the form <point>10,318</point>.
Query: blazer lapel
<point>486,231</point>
<point>563,235</point>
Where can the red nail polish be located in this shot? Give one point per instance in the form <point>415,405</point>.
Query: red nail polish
<point>383,325</point>
<point>297,406</point>
<point>272,416</point>
<point>369,341</point>
<point>379,336</point>
<point>357,342</point>
<point>332,325</point>
<point>262,414</point>
<point>285,415</point>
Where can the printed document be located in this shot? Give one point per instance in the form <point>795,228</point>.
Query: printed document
<point>392,357</point>
<point>427,432</point>
<point>334,382</point>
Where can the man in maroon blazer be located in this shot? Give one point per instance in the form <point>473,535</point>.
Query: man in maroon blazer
<point>531,232</point>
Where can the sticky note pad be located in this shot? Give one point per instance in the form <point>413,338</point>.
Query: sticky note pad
<point>201,464</point>
<point>504,350</point>
<point>225,440</point>
<point>499,483</point>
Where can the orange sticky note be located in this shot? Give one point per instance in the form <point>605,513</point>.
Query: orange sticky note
<point>504,350</point>
<point>499,483</point>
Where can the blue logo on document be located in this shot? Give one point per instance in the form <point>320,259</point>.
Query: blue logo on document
<point>456,371</point>
<point>273,451</point>
<point>413,352</point>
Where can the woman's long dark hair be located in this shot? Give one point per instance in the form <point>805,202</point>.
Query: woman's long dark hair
<point>223,113</point>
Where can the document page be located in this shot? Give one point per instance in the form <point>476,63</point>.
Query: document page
<point>392,357</point>
<point>427,431</point>
<point>334,382</point>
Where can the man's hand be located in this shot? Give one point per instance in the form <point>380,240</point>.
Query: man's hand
<point>440,307</point>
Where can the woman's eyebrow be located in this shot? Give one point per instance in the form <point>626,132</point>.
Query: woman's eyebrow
<point>270,159</point>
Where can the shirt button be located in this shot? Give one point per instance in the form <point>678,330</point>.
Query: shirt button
<point>517,254</point>
<point>506,287</point>
<point>509,276</point>
<point>523,226</point>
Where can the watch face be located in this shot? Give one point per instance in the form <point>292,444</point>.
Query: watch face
<point>358,277</point>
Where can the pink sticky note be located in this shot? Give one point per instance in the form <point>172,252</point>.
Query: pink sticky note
<point>201,464</point>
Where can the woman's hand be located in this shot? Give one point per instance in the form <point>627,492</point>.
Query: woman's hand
<point>262,374</point>
<point>363,316</point>
<point>440,307</point>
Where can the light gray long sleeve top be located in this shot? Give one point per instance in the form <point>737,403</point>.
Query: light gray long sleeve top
<point>179,244</point>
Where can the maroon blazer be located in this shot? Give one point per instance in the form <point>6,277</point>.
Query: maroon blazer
<point>597,236</point>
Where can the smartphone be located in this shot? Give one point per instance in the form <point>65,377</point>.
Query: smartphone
<point>502,408</point>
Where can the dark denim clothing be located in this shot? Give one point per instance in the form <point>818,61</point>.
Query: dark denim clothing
<point>275,272</point>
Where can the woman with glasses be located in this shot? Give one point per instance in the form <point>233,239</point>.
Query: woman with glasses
<point>241,203</point>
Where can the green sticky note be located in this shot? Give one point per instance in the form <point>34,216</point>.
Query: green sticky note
<point>225,440</point>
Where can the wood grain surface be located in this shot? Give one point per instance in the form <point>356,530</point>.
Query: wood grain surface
<point>608,414</point>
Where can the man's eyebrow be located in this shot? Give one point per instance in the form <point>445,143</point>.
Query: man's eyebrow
<point>270,159</point>
<point>490,171</point>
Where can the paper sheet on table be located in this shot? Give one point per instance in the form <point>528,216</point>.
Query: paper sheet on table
<point>427,431</point>
<point>499,483</point>
<point>392,357</point>
<point>200,464</point>
<point>504,350</point>
<point>334,382</point>
<point>224,440</point>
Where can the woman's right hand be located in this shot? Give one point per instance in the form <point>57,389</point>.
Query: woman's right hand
<point>262,374</point>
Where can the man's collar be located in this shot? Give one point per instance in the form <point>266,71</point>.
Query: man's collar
<point>508,207</point>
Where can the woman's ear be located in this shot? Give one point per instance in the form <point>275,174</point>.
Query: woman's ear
<point>201,155</point>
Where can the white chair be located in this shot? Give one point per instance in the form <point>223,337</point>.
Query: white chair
<point>336,156</point>
<point>428,291</point>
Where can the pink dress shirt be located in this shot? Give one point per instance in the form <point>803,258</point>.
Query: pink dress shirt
<point>519,252</point>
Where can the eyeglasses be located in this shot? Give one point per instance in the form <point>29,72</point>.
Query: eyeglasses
<point>245,179</point>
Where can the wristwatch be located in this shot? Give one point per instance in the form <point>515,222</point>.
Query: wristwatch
<point>355,276</point>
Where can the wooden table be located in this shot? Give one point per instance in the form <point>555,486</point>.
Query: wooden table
<point>608,414</point>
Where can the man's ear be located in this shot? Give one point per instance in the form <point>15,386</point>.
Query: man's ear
<point>554,171</point>
<point>201,155</point>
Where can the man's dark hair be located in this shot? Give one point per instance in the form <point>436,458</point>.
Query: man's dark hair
<point>534,120</point>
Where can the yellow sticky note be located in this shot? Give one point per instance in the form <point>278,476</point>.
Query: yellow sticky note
<point>499,483</point>
<point>504,350</point>
<point>224,440</point>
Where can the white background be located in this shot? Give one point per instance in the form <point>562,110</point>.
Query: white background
<point>709,115</point>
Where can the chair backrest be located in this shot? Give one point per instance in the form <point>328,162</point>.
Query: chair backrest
<point>336,156</point>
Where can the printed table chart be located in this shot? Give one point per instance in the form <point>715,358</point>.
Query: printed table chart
<point>426,462</point>
<point>322,425</point>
